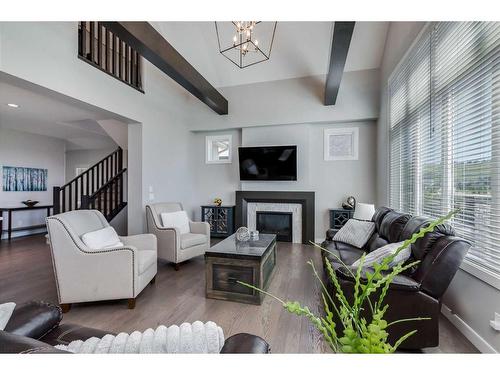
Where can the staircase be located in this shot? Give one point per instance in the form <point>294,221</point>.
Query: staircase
<point>100,187</point>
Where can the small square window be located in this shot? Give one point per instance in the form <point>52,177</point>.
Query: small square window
<point>219,149</point>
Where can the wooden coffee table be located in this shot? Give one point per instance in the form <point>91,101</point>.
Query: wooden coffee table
<point>230,261</point>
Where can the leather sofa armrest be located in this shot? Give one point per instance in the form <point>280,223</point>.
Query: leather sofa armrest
<point>400,282</point>
<point>16,344</point>
<point>245,343</point>
<point>34,319</point>
<point>68,332</point>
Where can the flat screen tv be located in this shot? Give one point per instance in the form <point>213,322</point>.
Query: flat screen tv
<point>268,163</point>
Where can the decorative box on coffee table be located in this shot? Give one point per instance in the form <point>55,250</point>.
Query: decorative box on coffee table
<point>230,261</point>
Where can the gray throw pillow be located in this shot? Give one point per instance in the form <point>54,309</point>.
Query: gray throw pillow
<point>376,256</point>
<point>355,232</point>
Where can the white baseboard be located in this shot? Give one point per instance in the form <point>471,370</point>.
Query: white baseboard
<point>467,331</point>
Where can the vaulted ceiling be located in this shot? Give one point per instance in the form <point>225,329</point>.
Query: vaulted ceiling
<point>300,49</point>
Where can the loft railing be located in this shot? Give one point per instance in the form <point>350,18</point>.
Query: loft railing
<point>71,195</point>
<point>104,50</point>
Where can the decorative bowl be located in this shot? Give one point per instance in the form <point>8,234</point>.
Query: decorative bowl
<point>29,203</point>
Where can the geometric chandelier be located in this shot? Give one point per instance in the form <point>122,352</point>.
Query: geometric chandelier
<point>245,43</point>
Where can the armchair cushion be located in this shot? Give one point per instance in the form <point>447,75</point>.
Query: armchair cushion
<point>178,219</point>
<point>146,241</point>
<point>146,259</point>
<point>192,239</point>
<point>200,227</point>
<point>105,238</point>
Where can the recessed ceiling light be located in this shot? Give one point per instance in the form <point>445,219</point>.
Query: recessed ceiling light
<point>13,105</point>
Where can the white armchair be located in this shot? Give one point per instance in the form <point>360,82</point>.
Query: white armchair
<point>172,245</point>
<point>83,274</point>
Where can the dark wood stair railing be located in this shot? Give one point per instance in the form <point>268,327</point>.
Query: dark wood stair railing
<point>86,189</point>
<point>108,199</point>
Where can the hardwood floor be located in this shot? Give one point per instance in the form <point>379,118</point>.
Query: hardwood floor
<point>177,297</point>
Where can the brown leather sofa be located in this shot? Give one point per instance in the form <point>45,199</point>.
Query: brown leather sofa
<point>36,327</point>
<point>417,292</point>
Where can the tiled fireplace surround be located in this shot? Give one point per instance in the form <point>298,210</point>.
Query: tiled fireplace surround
<point>299,203</point>
<point>294,208</point>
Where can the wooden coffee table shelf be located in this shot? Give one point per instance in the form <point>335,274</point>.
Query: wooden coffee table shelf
<point>230,261</point>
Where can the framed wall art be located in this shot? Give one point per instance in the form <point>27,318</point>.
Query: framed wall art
<point>341,144</point>
<point>24,179</point>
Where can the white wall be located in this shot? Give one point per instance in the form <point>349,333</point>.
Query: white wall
<point>214,180</point>
<point>294,101</point>
<point>332,181</point>
<point>472,301</point>
<point>167,112</point>
<point>164,158</point>
<point>83,159</point>
<point>19,149</point>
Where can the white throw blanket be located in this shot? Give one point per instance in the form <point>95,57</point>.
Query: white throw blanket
<point>195,338</point>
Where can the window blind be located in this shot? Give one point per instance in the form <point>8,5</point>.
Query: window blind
<point>444,100</point>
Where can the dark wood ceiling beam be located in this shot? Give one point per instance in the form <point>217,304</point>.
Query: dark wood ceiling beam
<point>342,33</point>
<point>153,47</point>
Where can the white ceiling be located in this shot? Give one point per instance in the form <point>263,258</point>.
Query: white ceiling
<point>40,112</point>
<point>300,49</point>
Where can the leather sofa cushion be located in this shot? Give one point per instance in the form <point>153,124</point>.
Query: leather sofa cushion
<point>392,226</point>
<point>424,245</point>
<point>379,215</point>
<point>374,243</point>
<point>347,253</point>
<point>34,319</point>
<point>146,259</point>
<point>414,225</point>
<point>192,239</point>
<point>400,282</point>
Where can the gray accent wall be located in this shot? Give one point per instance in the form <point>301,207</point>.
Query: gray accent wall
<point>332,181</point>
<point>214,180</point>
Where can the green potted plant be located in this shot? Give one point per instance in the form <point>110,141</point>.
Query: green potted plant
<point>358,334</point>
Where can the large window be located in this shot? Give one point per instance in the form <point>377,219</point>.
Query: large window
<point>445,133</point>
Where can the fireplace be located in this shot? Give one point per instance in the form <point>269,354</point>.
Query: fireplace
<point>299,203</point>
<point>279,223</point>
